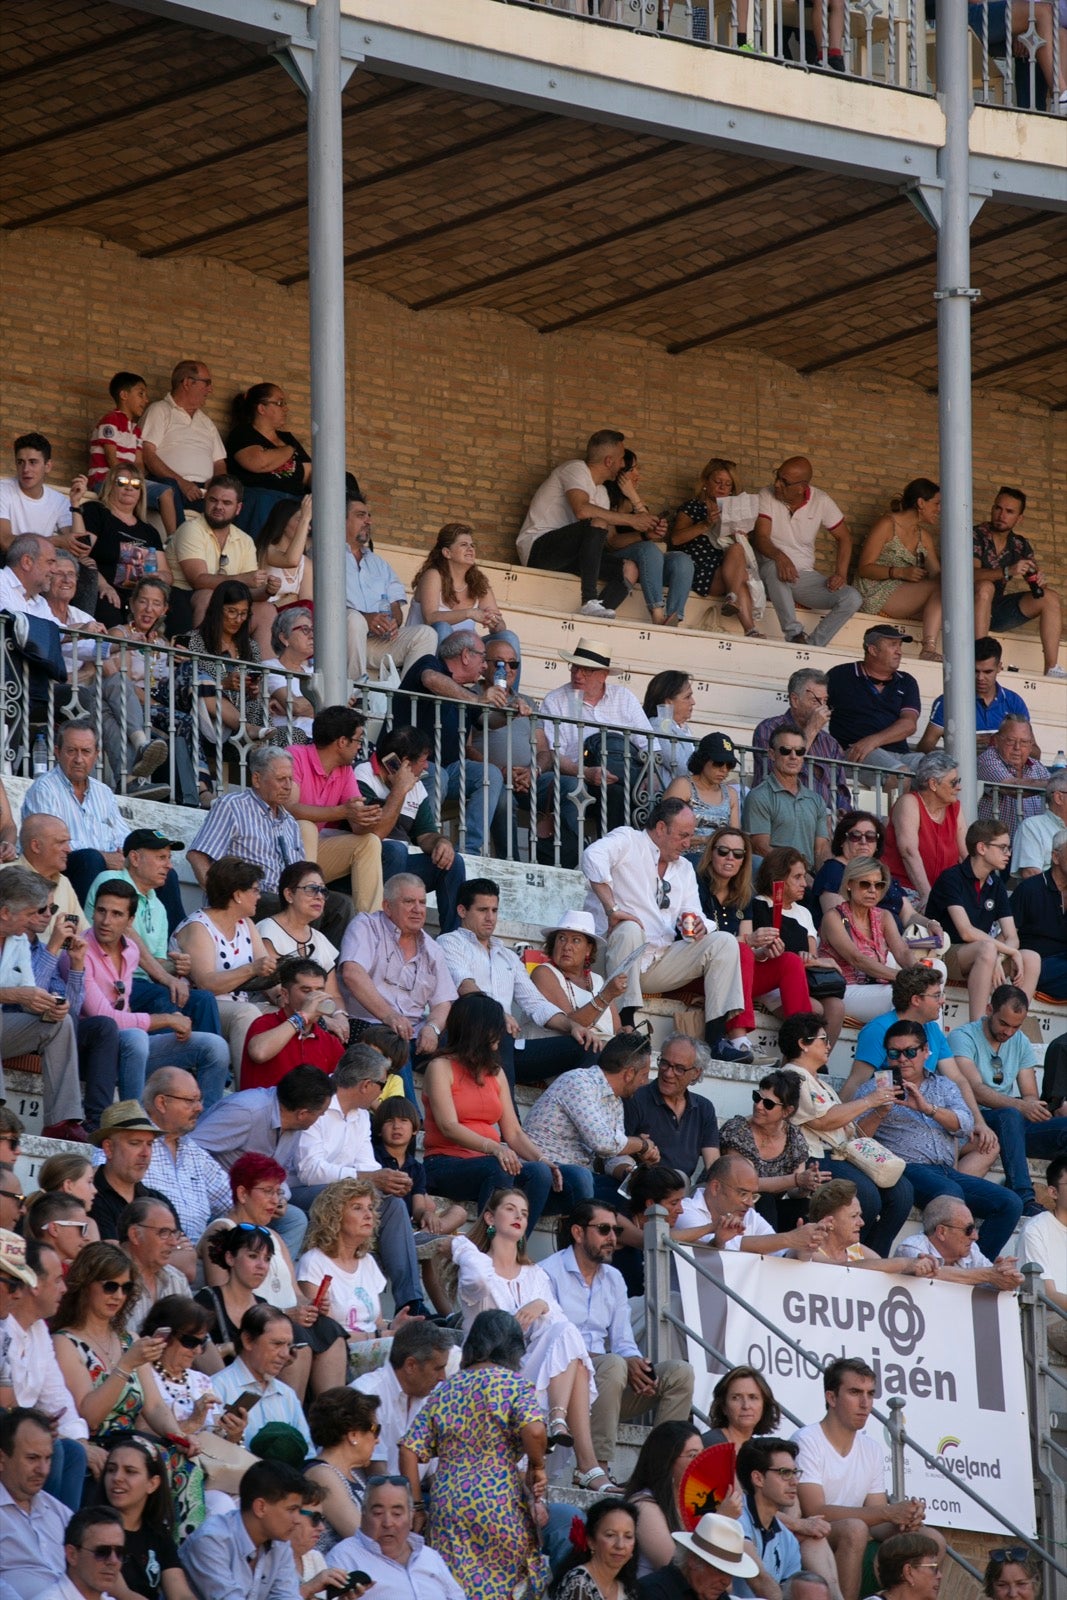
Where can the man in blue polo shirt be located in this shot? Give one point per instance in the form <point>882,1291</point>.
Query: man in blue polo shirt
<point>874,707</point>
<point>999,1061</point>
<point>970,901</point>
<point>454,676</point>
<point>992,701</point>
<point>1040,907</point>
<point>683,1126</point>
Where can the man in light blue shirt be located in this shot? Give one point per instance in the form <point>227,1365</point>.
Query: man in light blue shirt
<point>38,1021</point>
<point>245,1554</point>
<point>265,1347</point>
<point>375,598</point>
<point>999,1061</point>
<point>32,1523</point>
<point>593,1296</point>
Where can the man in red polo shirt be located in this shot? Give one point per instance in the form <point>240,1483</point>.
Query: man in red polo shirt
<point>335,819</point>
<point>305,1032</point>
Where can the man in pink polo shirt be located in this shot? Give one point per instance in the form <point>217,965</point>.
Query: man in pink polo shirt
<point>791,513</point>
<point>336,823</point>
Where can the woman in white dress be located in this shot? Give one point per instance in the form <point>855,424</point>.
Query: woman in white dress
<point>496,1273</point>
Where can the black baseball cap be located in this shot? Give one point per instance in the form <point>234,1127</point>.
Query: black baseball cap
<point>149,839</point>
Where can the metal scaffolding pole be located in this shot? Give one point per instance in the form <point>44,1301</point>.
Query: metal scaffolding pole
<point>325,75</point>
<point>954,296</point>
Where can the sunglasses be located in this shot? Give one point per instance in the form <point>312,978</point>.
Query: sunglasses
<point>192,1341</point>
<point>12,1194</point>
<point>860,837</point>
<point>1009,1552</point>
<point>603,1228</point>
<point>791,750</point>
<point>11,1140</point>
<point>969,1228</point>
<point>761,1100</point>
<point>663,894</point>
<point>316,1518</point>
<point>104,1552</point>
<point>254,1227</point>
<point>112,1286</point>
<point>734,855</point>
<point>996,1062</point>
<point>128,483</point>
<point>908,1052</point>
<point>313,888</point>
<point>396,1479</point>
<point>120,994</point>
<point>69,1222</point>
<point>869,883</point>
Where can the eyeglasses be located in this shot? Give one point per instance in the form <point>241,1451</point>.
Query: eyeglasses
<point>120,992</point>
<point>171,1234</point>
<point>789,1473</point>
<point>104,1552</point>
<point>112,1286</point>
<point>969,1228</point>
<point>924,1566</point>
<point>908,1052</point>
<point>192,1341</point>
<point>301,627</point>
<point>734,855</point>
<point>312,888</point>
<point>859,836</point>
<point>761,1100</point>
<point>275,402</point>
<point>999,844</point>
<point>316,1518</point>
<point>817,1038</point>
<point>1009,1552</point>
<point>674,1066</point>
<point>603,1228</point>
<point>187,1099</point>
<point>663,894</point>
<point>206,381</point>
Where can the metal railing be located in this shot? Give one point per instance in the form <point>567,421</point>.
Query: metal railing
<point>211,711</point>
<point>659,1248</point>
<point>1046,1393</point>
<point>889,42</point>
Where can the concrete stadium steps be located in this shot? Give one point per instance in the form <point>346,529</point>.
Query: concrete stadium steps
<point>542,608</point>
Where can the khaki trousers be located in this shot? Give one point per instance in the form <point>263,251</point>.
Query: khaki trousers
<point>615,1402</point>
<point>406,648</point>
<point>21,1034</point>
<point>359,854</point>
<point>714,957</point>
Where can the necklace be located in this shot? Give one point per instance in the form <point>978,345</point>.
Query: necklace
<point>178,1380</point>
<point>104,1352</point>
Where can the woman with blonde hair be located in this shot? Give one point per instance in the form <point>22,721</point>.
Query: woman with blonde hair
<point>838,1203</point>
<point>126,547</point>
<point>449,591</point>
<point>864,939</point>
<point>716,570</point>
<point>338,1245</point>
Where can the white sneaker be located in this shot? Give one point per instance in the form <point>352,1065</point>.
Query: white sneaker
<point>1056,672</point>
<point>593,608</point>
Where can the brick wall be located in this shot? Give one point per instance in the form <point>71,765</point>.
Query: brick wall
<point>458,414</point>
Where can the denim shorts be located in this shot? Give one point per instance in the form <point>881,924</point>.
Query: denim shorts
<point>1007,613</point>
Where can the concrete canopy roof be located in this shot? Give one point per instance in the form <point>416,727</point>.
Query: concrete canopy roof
<point>171,140</point>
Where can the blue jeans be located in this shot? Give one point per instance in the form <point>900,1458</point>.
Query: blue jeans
<point>460,1178</point>
<point>539,1058</point>
<point>475,777</point>
<point>997,1209</point>
<point>206,1056</point>
<point>98,1063</point>
<point>1019,1139</point>
<point>201,1007</point>
<point>885,1211</point>
<point>656,569</point>
<point>445,883</point>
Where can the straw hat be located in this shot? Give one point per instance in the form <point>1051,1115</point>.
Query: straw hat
<point>13,1259</point>
<point>128,1116</point>
<point>589,653</point>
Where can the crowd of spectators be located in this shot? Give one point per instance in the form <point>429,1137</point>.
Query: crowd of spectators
<point>230,1349</point>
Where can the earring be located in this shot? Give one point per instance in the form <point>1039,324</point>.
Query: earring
<point>490,1232</point>
<point>521,1246</point>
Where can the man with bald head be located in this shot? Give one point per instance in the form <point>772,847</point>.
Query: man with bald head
<point>791,514</point>
<point>45,845</point>
<point>31,560</point>
<point>193,1181</point>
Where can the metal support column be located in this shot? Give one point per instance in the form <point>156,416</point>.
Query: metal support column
<point>954,296</point>
<point>318,66</point>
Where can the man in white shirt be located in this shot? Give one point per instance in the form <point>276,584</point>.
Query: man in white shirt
<point>570,517</point>
<point>643,893</point>
<point>791,513</point>
<point>589,743</point>
<point>93,1547</point>
<point>481,964</point>
<point>375,598</point>
<point>182,446</point>
<point>28,505</point>
<point>32,1523</point>
<point>722,1215</point>
<point>338,1146</point>
<point>418,1361</point>
<point>31,561</point>
<point>1032,851</point>
<point>398,1562</point>
<point>949,1237</point>
<point>593,1295</point>
<point>1044,1239</point>
<point>842,1474</point>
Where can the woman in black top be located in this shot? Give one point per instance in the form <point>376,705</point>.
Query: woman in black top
<point>126,547</point>
<point>259,451</point>
<point>135,1484</point>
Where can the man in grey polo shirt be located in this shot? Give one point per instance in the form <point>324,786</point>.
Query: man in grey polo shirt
<point>783,811</point>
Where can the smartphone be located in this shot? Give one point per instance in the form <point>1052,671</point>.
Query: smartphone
<point>161,1333</point>
<point>246,1401</point>
<point>361,1579</point>
<point>322,1291</point>
<point>391,764</point>
<point>884,1078</point>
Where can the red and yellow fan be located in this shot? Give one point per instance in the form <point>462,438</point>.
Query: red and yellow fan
<point>707,1481</point>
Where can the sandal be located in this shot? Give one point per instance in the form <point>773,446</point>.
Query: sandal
<point>657,616</point>
<point>558,1431</point>
<point>928,653</point>
<point>729,604</point>
<point>596,1479</point>
<point>754,633</point>
<point>673,620</point>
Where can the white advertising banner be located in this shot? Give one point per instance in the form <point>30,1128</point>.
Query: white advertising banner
<point>953,1354</point>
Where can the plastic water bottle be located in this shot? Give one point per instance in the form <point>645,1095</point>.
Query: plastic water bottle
<point>500,676</point>
<point>40,755</point>
<point>151,563</point>
<point>1058,765</point>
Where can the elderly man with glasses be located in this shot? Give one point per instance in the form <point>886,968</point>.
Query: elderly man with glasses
<point>194,1182</point>
<point>683,1125</point>
<point>949,1236</point>
<point>593,1295</point>
<point>149,1232</point>
<point>395,1559</point>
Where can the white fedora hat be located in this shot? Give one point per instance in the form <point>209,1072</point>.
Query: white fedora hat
<point>720,1541</point>
<point>574,922</point>
<point>589,653</point>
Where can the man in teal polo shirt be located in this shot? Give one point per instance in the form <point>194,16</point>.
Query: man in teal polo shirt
<point>783,811</point>
<point>161,981</point>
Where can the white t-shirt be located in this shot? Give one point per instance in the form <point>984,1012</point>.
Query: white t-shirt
<point>280,682</point>
<point>1044,1240</point>
<point>355,1297</point>
<point>695,1214</point>
<point>322,950</point>
<point>845,1480</point>
<point>550,507</point>
<point>44,516</point>
<point>365,774</point>
<point>795,534</point>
